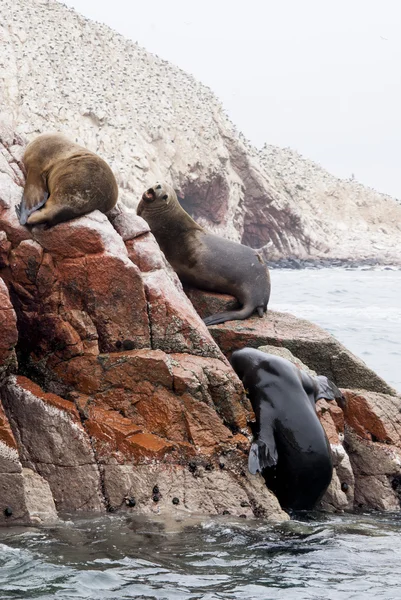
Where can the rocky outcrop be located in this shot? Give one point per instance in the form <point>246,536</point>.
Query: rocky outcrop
<point>345,212</point>
<point>24,495</point>
<point>122,398</point>
<point>150,120</point>
<point>312,345</point>
<point>364,432</point>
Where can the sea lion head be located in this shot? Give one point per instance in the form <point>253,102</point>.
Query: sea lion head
<point>245,360</point>
<point>160,194</point>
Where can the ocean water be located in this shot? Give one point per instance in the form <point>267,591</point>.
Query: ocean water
<point>321,557</point>
<point>119,558</point>
<point>361,308</point>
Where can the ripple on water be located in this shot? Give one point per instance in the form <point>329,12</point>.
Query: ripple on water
<point>360,308</point>
<point>324,557</point>
<point>117,558</point>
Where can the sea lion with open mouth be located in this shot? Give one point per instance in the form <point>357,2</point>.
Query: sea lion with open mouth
<point>204,260</point>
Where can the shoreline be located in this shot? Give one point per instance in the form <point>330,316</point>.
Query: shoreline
<point>296,264</point>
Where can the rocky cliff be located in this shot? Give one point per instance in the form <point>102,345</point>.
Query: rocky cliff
<point>122,399</point>
<point>150,121</point>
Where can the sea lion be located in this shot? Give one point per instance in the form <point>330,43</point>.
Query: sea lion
<point>204,260</point>
<point>290,449</point>
<point>65,179</point>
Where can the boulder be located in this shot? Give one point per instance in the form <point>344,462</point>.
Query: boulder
<point>25,496</point>
<point>316,348</point>
<point>52,442</point>
<point>377,472</point>
<point>364,432</point>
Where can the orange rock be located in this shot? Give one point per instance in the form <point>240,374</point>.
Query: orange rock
<point>147,446</point>
<point>114,436</point>
<point>332,418</point>
<point>374,416</point>
<point>6,434</point>
<point>206,430</point>
<point>52,399</point>
<point>8,332</point>
<point>214,383</point>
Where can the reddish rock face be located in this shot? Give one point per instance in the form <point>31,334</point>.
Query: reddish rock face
<point>131,378</point>
<point>316,348</point>
<point>332,418</point>
<point>134,392</point>
<point>8,333</point>
<point>375,417</point>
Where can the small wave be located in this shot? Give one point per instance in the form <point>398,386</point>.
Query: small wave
<point>373,312</point>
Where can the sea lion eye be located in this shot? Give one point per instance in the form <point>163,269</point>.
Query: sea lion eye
<point>165,197</point>
<point>158,187</point>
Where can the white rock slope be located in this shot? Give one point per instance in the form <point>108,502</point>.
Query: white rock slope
<point>150,120</point>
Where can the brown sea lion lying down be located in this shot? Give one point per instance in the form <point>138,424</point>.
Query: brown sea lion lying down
<point>64,180</point>
<point>204,260</point>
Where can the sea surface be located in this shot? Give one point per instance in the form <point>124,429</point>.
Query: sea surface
<point>316,556</point>
<point>361,308</point>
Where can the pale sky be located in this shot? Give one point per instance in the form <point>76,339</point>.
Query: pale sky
<point>320,76</point>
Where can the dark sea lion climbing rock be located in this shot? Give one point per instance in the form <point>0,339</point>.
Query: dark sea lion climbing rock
<point>290,449</point>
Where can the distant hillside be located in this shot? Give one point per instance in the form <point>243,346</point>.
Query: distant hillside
<point>151,120</point>
<point>357,217</point>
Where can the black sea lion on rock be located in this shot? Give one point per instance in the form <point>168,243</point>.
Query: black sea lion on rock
<point>291,448</point>
<point>204,260</point>
<point>64,180</point>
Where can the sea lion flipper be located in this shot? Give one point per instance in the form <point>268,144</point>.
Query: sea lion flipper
<point>34,197</point>
<point>240,314</point>
<point>262,456</point>
<point>327,389</point>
